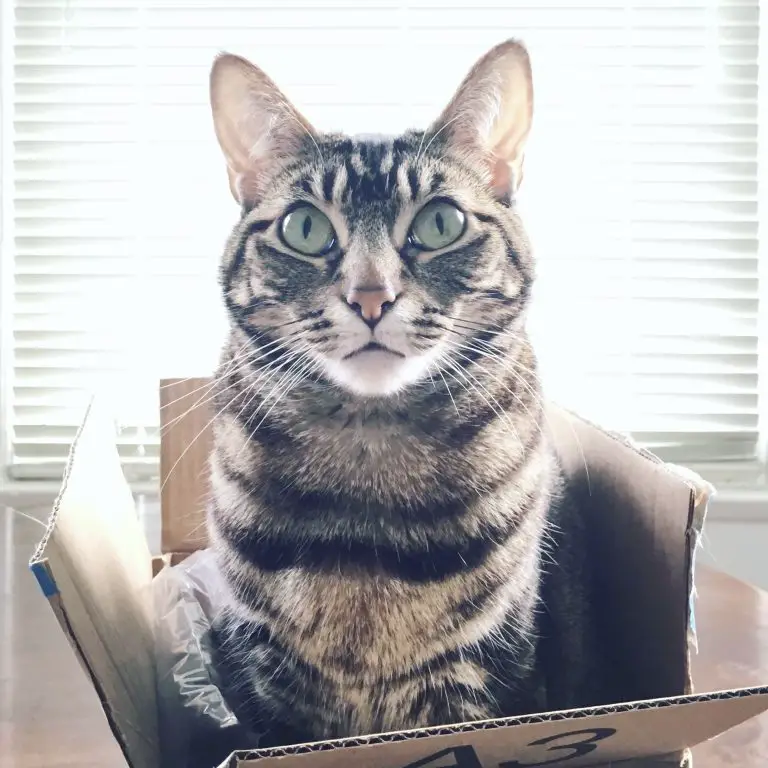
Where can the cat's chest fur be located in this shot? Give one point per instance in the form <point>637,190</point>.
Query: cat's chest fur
<point>383,445</point>
<point>390,457</point>
<point>362,626</point>
<point>366,627</point>
<point>348,655</point>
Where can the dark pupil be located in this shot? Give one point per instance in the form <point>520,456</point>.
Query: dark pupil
<point>306,228</point>
<point>440,223</point>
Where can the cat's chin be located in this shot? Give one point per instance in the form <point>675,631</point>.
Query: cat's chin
<point>377,373</point>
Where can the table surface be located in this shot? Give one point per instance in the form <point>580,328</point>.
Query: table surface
<point>50,716</point>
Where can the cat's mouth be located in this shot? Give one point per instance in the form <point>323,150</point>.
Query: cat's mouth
<point>373,346</point>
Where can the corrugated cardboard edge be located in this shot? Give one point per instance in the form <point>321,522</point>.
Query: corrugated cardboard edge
<point>662,761</point>
<point>703,491</point>
<point>37,556</point>
<point>671,761</point>
<point>133,722</point>
<point>710,727</point>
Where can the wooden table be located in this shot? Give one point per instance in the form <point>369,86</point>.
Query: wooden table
<point>50,717</point>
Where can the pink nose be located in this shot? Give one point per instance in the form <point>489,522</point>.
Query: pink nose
<point>371,302</point>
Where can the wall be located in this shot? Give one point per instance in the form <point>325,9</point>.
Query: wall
<point>738,548</point>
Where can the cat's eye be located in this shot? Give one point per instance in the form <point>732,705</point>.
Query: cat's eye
<point>308,231</point>
<point>437,225</point>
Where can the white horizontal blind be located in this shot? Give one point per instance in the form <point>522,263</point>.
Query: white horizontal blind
<point>640,195</point>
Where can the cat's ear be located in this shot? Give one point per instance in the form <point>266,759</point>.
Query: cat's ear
<point>256,126</point>
<point>489,118</point>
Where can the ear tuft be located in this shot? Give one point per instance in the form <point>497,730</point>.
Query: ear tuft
<point>257,128</point>
<point>489,118</point>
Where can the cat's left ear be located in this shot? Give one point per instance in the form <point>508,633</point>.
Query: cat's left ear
<point>489,118</point>
<point>257,127</point>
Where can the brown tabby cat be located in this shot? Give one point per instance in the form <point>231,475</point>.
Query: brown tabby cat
<point>385,499</point>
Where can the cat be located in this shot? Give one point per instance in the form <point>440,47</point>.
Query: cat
<point>386,507</point>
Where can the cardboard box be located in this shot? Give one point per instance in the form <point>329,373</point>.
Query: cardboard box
<point>95,569</point>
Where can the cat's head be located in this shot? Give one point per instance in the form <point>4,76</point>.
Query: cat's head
<point>376,262</point>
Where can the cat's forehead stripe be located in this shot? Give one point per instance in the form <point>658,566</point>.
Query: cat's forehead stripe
<point>370,168</point>
<point>339,183</point>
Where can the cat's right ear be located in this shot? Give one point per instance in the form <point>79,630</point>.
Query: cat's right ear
<point>489,118</point>
<point>256,126</point>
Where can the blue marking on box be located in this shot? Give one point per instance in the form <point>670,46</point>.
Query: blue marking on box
<point>47,584</point>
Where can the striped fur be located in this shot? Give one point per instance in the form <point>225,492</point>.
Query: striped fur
<point>383,521</point>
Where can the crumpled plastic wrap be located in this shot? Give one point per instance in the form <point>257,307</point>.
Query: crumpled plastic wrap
<point>198,726</point>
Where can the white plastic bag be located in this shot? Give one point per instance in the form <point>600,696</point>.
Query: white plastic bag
<point>198,728</point>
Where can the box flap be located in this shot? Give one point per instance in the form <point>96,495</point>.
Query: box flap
<point>640,512</point>
<point>591,737</point>
<point>95,568</point>
<point>185,423</point>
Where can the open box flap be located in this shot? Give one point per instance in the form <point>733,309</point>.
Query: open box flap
<point>644,517</point>
<point>590,737</point>
<point>95,568</point>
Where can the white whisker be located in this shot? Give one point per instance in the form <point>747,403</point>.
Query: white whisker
<point>448,389</point>
<point>247,360</point>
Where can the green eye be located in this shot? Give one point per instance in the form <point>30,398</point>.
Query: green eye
<point>437,225</point>
<point>308,231</point>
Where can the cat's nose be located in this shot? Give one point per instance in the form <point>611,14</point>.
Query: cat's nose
<point>370,302</point>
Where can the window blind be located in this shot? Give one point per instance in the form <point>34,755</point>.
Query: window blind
<point>641,197</point>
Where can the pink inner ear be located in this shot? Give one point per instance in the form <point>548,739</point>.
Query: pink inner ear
<point>502,177</point>
<point>257,127</point>
<point>270,133</point>
<point>248,186</point>
<point>489,117</point>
